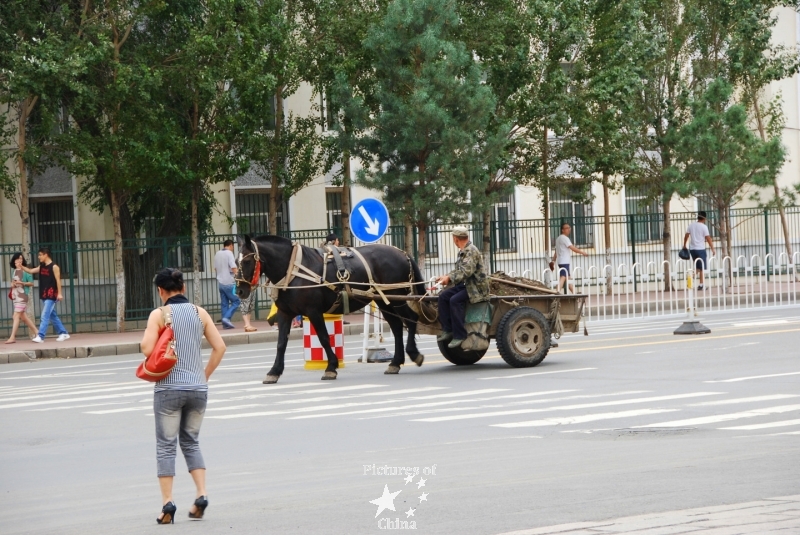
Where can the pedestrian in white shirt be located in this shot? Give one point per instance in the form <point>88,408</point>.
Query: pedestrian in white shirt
<point>225,266</point>
<point>563,253</point>
<point>697,236</point>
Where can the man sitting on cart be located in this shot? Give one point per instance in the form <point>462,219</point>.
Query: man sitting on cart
<point>466,281</point>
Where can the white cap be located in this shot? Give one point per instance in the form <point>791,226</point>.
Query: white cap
<point>460,232</point>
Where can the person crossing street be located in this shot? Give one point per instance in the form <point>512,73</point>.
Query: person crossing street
<point>225,266</point>
<point>467,282</point>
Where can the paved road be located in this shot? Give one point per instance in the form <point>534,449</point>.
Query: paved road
<point>629,421</point>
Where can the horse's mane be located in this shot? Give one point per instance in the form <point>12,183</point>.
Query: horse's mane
<point>271,238</point>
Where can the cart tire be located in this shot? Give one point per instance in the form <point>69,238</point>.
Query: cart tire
<point>523,337</point>
<point>458,356</point>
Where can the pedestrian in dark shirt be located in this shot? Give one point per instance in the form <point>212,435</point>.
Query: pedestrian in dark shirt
<point>50,294</point>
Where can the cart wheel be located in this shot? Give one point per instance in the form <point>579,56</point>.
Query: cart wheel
<point>458,356</point>
<point>523,337</point>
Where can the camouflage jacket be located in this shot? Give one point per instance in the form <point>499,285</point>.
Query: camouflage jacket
<point>469,269</point>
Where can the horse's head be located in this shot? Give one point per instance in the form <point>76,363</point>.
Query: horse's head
<point>249,267</point>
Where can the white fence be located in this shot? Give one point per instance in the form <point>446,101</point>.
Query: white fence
<point>639,291</point>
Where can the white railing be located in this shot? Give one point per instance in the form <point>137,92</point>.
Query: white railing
<point>638,290</point>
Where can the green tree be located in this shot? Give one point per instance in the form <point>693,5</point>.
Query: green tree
<point>212,63</point>
<point>112,111</point>
<point>606,133</point>
<point>717,154</point>
<point>286,149</point>
<point>432,108</point>
<point>662,107</point>
<point>339,67</point>
<point>35,63</point>
<point>756,62</point>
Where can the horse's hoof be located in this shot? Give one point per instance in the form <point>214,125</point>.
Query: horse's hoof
<point>392,370</point>
<point>329,376</point>
<point>419,359</point>
<point>271,379</point>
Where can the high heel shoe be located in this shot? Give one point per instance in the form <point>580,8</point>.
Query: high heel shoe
<point>200,504</point>
<point>168,513</point>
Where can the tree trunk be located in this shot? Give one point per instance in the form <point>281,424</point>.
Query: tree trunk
<point>277,162</point>
<point>725,237</point>
<point>408,236</point>
<point>546,194</point>
<point>25,109</point>
<point>422,238</point>
<point>667,243</point>
<point>196,283</point>
<point>787,240</point>
<point>346,199</point>
<point>486,232</point>
<point>119,271</point>
<point>546,211</point>
<point>607,235</point>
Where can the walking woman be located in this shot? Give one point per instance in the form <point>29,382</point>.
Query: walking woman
<point>246,308</point>
<point>21,283</point>
<point>180,398</point>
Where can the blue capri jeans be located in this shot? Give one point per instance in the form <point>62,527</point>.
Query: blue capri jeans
<point>179,414</point>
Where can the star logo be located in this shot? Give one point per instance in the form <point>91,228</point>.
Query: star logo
<point>410,512</point>
<point>409,478</point>
<point>423,498</point>
<point>421,483</point>
<point>386,501</point>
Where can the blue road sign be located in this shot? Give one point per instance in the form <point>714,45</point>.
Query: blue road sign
<point>369,220</point>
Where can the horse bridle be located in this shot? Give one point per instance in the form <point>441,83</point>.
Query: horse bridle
<point>256,270</point>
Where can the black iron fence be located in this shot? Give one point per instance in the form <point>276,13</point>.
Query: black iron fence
<point>89,284</point>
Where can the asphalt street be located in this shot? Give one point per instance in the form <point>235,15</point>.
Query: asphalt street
<point>630,420</point>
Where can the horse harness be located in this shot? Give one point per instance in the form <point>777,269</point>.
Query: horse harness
<point>344,288</point>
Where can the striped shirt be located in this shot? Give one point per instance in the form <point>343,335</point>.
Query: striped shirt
<point>188,373</point>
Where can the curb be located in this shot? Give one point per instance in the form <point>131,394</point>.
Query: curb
<point>127,348</point>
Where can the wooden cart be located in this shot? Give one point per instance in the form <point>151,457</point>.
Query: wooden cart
<point>521,325</point>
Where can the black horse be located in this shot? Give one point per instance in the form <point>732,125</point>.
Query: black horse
<point>271,256</point>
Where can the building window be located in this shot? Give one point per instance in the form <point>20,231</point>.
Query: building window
<point>327,113</point>
<point>432,240</point>
<point>333,205</point>
<point>568,205</point>
<point>504,218</point>
<point>252,214</point>
<point>53,224</point>
<point>645,219</point>
<point>707,205</point>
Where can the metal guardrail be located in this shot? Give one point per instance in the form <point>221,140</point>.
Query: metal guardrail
<point>514,247</point>
<point>730,284</point>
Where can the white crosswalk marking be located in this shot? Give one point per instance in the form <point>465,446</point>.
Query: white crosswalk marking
<point>726,417</point>
<point>361,404</point>
<point>738,379</point>
<point>567,420</point>
<point>744,400</point>
<point>127,409</point>
<point>784,423</point>
<point>568,407</point>
<point>534,373</point>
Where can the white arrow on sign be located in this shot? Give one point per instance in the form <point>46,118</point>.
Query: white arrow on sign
<point>373,227</point>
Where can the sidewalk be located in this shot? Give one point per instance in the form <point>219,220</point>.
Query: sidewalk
<point>82,345</point>
<point>772,515</point>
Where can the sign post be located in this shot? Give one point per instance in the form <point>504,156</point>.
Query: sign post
<point>369,221</point>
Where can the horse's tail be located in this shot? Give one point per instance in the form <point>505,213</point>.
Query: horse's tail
<point>419,287</point>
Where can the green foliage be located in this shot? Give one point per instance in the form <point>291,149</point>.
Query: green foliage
<point>433,111</point>
<point>718,154</point>
<point>36,65</point>
<point>607,76</point>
